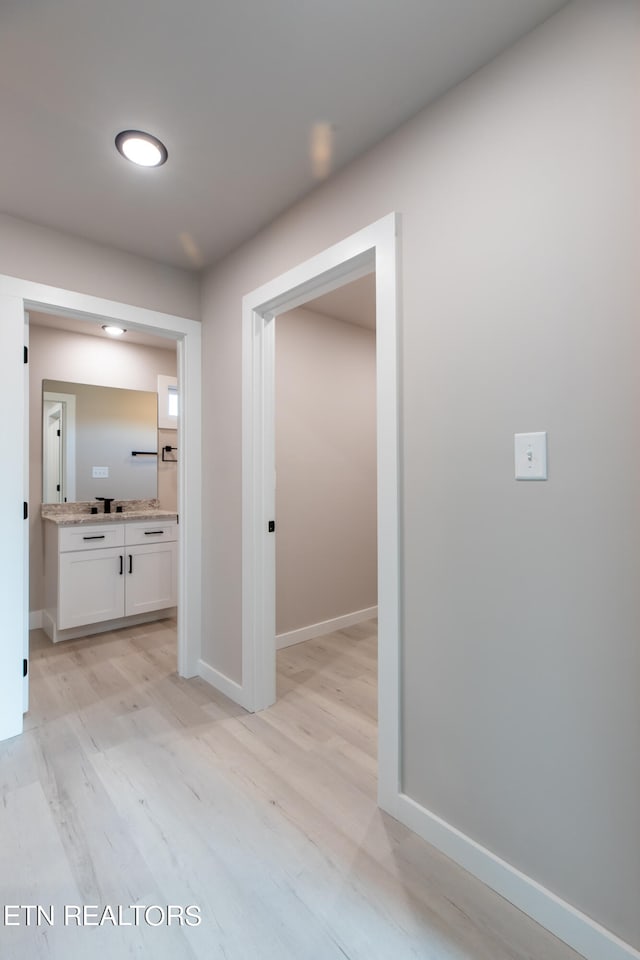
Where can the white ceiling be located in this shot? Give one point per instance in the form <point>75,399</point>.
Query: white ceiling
<point>233,87</point>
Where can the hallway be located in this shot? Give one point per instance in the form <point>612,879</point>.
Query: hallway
<point>132,786</point>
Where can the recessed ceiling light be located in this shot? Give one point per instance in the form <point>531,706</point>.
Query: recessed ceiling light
<point>113,331</point>
<point>141,148</point>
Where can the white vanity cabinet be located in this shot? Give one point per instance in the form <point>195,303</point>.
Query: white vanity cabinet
<point>102,576</point>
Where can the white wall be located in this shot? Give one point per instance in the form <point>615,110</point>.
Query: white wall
<point>325,388</point>
<point>75,358</point>
<point>520,654</point>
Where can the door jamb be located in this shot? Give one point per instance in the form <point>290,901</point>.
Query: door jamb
<point>376,248</point>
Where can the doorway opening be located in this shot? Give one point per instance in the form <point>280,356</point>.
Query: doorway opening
<point>373,249</point>
<point>97,400</point>
<point>18,298</point>
<point>326,524</point>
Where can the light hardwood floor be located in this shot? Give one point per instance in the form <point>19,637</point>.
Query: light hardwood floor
<point>131,786</point>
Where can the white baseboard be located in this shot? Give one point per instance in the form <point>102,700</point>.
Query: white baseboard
<point>35,620</point>
<point>236,692</point>
<point>324,627</point>
<point>566,922</point>
<point>224,684</point>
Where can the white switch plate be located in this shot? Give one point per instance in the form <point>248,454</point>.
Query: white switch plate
<point>531,456</point>
<point>99,473</point>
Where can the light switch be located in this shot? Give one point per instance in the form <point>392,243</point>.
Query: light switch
<point>531,456</point>
<point>99,473</point>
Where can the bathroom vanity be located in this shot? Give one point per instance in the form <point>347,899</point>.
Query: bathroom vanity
<point>106,571</point>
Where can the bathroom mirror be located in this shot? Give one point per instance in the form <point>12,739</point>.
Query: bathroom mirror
<point>98,442</point>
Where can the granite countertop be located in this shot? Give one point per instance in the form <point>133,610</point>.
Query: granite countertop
<point>68,514</point>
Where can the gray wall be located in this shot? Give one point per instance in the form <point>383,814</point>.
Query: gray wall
<point>520,653</point>
<point>37,253</point>
<point>325,389</point>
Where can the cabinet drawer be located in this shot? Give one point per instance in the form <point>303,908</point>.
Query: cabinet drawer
<point>90,537</point>
<point>149,533</point>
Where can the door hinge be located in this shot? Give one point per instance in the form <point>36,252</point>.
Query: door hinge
<point>25,510</point>
<point>26,354</point>
<point>272,526</point>
<point>58,487</point>
<point>25,667</point>
<point>57,433</point>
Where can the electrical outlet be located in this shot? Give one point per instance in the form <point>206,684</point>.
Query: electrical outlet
<point>99,473</point>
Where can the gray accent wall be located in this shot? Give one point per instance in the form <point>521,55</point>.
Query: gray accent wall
<point>518,192</point>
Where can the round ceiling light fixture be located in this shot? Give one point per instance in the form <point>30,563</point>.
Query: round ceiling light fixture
<point>113,331</point>
<point>141,148</point>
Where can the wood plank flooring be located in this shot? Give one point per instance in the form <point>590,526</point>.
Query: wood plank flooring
<point>133,787</point>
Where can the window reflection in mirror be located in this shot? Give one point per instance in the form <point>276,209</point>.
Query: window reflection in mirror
<point>167,402</point>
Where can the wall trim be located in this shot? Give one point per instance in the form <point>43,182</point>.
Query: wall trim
<point>323,627</point>
<point>35,619</point>
<point>234,691</point>
<point>567,923</point>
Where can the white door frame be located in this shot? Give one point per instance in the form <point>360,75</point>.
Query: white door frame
<point>373,248</point>
<point>16,297</point>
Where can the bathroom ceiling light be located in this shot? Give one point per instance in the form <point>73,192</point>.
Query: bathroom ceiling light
<point>141,148</point>
<point>113,331</point>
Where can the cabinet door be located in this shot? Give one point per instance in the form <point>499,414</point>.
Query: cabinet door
<point>91,587</point>
<point>151,577</point>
